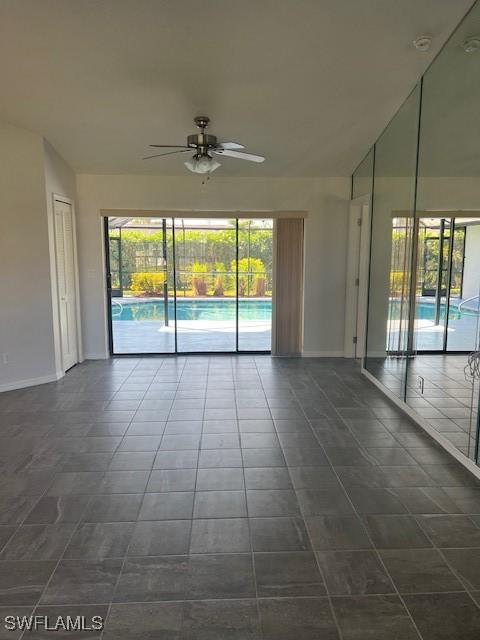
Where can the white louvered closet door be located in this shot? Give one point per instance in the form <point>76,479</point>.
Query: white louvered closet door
<point>66,282</point>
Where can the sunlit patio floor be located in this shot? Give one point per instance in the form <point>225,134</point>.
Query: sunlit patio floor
<point>193,335</point>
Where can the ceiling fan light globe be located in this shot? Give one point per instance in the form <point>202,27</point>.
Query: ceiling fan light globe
<point>214,165</point>
<point>202,165</point>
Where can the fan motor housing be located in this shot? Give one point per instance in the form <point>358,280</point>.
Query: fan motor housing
<point>202,140</point>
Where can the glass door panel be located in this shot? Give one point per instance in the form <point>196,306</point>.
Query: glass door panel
<point>206,288</point>
<point>464,307</point>
<point>255,254</point>
<point>432,283</point>
<point>115,266</point>
<point>440,288</point>
<point>142,309</point>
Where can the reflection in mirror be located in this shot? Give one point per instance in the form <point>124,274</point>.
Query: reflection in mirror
<point>447,278</point>
<point>391,247</point>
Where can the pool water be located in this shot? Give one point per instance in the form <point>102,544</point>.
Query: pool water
<point>426,311</point>
<point>221,310</point>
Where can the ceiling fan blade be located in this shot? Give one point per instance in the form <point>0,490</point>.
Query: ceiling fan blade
<point>170,146</point>
<point>238,154</point>
<point>232,146</point>
<point>169,153</point>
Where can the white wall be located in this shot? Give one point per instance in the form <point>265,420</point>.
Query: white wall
<point>31,171</point>
<point>471,270</point>
<point>326,200</point>
<point>26,330</point>
<point>392,197</point>
<point>461,196</point>
<point>449,194</point>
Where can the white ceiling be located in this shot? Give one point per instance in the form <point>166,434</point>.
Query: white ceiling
<point>307,83</point>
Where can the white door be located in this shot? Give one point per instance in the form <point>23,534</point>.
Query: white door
<point>65,256</point>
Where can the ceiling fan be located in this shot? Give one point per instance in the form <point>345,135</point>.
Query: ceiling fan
<point>204,145</point>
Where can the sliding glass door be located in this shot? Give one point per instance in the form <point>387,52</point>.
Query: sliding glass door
<point>189,285</point>
<point>140,285</point>
<point>206,287</point>
<point>446,312</point>
<point>255,251</point>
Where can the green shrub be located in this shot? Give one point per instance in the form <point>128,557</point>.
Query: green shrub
<point>147,284</point>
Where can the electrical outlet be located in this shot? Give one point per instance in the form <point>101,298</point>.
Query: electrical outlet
<point>420,383</point>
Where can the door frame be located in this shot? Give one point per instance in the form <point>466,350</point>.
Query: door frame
<point>356,291</point>
<point>59,357</point>
<point>106,214</point>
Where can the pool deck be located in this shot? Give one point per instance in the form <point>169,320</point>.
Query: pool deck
<point>463,331</point>
<point>152,336</point>
<point>132,336</point>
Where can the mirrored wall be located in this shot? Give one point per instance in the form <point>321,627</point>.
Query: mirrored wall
<point>392,223</point>
<point>423,176</point>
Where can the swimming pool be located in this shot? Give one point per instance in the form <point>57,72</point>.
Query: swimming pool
<point>426,311</point>
<point>221,310</point>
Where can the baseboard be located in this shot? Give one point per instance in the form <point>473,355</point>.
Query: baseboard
<point>30,382</point>
<point>421,422</point>
<point>322,354</point>
<point>96,356</point>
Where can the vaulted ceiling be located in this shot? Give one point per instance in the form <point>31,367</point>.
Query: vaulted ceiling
<point>307,83</point>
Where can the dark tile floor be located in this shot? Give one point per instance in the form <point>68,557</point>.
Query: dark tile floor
<point>232,498</point>
<point>449,400</point>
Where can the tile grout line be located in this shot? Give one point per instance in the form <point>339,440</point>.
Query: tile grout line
<point>317,564</point>
<point>439,550</point>
<point>451,568</point>
<point>61,557</point>
<point>74,530</point>
<point>257,603</point>
<point>327,593</point>
<point>316,382</point>
<point>125,556</point>
<point>361,521</point>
